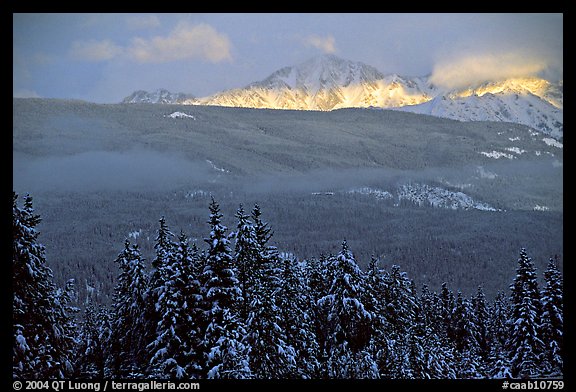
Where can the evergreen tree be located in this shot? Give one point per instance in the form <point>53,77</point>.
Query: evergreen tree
<point>176,329</point>
<point>268,261</point>
<point>345,317</point>
<point>431,310</point>
<point>480,319</point>
<point>41,329</point>
<point>270,356</point>
<point>226,356</point>
<point>447,304</point>
<point>524,344</point>
<point>65,312</point>
<point>466,345</point>
<point>400,302</point>
<point>164,248</point>
<point>192,266</point>
<point>498,328</point>
<point>104,319</point>
<point>416,338</point>
<point>296,307</point>
<point>91,347</point>
<point>128,355</point>
<point>400,315</point>
<point>438,351</point>
<point>246,256</point>
<point>552,318</point>
<point>375,295</point>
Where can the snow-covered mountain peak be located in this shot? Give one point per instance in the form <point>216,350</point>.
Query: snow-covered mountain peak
<point>158,96</point>
<point>534,102</point>
<point>320,72</point>
<point>325,82</point>
<point>551,93</point>
<point>328,82</point>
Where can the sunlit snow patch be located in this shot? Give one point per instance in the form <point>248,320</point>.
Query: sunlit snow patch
<point>515,150</point>
<point>197,193</point>
<point>180,115</point>
<point>497,155</point>
<point>540,208</point>
<point>377,193</point>
<point>552,142</point>
<point>422,194</point>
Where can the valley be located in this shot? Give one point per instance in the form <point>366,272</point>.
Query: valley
<point>448,201</point>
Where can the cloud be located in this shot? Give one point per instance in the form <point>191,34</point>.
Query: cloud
<point>24,93</point>
<point>325,44</point>
<point>476,68</point>
<point>95,50</point>
<point>137,169</point>
<point>186,41</point>
<point>142,22</point>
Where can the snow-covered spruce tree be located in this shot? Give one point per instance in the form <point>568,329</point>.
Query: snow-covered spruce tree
<point>268,260</point>
<point>553,318</point>
<point>431,310</point>
<point>524,345</point>
<point>447,304</point>
<point>296,306</point>
<point>87,343</point>
<point>176,333</point>
<point>400,315</point>
<point>469,363</point>
<point>164,249</point>
<point>66,312</point>
<point>316,271</point>
<point>270,356</point>
<point>481,318</point>
<point>128,355</point>
<point>375,296</point>
<point>416,339</point>
<point>317,280</point>
<point>438,351</point>
<point>347,322</point>
<point>226,356</point>
<point>92,343</point>
<point>246,257</point>
<point>193,266</point>
<point>41,346</point>
<point>498,328</point>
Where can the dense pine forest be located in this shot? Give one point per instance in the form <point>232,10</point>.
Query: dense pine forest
<point>235,308</point>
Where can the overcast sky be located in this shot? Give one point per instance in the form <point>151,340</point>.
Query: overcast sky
<point>105,57</point>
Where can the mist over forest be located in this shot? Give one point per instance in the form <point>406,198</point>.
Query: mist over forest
<point>100,173</point>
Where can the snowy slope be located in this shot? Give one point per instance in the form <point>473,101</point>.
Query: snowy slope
<point>532,102</point>
<point>325,83</point>
<point>159,96</point>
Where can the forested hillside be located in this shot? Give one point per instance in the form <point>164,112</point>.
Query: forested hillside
<point>231,306</point>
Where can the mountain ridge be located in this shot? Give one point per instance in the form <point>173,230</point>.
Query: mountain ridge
<point>328,82</point>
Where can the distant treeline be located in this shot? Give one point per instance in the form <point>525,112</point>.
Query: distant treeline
<point>239,309</point>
